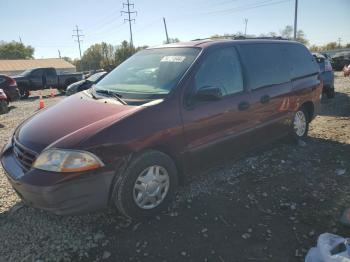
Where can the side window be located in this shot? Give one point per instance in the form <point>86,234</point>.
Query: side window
<point>221,68</point>
<point>50,72</point>
<point>37,73</point>
<point>301,61</point>
<point>265,64</point>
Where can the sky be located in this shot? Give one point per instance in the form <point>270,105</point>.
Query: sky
<point>48,25</point>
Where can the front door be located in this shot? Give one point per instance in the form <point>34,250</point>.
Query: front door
<point>51,78</point>
<point>219,128</point>
<point>36,79</point>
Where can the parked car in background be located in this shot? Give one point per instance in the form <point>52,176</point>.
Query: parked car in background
<point>162,114</point>
<point>339,60</point>
<point>9,86</point>
<point>84,84</point>
<point>43,78</point>
<point>327,74</point>
<point>3,102</point>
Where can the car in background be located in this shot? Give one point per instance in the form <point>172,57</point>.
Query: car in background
<point>44,78</point>
<point>326,74</point>
<point>339,60</point>
<point>84,84</point>
<point>3,102</point>
<point>9,86</point>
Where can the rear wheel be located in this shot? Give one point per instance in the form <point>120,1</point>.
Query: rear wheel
<point>301,123</point>
<point>330,93</point>
<point>147,185</point>
<point>3,107</point>
<point>24,92</point>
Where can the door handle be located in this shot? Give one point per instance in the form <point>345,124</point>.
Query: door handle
<point>244,105</point>
<point>265,99</point>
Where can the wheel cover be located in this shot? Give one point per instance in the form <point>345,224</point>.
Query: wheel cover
<point>151,187</point>
<point>299,123</point>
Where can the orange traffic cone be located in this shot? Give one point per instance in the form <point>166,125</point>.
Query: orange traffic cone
<point>52,92</point>
<point>41,102</point>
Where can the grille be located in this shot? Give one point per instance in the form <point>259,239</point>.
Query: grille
<point>24,156</point>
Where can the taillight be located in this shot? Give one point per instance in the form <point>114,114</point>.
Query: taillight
<point>327,66</point>
<point>11,81</point>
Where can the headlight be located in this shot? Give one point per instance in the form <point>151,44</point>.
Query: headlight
<point>59,160</point>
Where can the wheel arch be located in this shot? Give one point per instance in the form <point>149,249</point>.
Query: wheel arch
<point>175,158</point>
<point>310,108</point>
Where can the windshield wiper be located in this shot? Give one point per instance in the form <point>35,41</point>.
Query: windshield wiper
<point>112,94</point>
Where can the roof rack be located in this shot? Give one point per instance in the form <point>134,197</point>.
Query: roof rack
<point>241,37</point>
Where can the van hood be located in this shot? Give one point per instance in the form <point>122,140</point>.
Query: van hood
<point>70,121</point>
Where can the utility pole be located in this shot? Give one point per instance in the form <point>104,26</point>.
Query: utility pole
<point>127,4</point>
<point>20,40</point>
<point>166,31</point>
<point>59,53</point>
<point>295,20</point>
<point>339,41</point>
<point>245,28</point>
<point>77,34</point>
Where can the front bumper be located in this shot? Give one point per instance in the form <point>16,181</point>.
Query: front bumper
<point>61,194</point>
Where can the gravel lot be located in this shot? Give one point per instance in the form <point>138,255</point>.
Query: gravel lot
<point>269,206</point>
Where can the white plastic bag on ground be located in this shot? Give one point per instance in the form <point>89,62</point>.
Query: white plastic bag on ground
<point>325,244</point>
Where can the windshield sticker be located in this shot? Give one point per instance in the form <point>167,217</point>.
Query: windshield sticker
<point>173,59</point>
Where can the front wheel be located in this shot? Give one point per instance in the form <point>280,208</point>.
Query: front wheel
<point>300,123</point>
<point>24,93</point>
<point>146,186</point>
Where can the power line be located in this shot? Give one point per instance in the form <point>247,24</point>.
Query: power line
<point>129,13</point>
<point>78,35</point>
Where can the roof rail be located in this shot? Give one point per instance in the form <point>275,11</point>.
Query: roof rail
<point>241,37</point>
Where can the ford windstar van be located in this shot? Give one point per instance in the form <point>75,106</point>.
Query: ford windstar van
<point>165,112</point>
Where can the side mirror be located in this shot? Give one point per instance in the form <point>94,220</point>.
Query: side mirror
<point>208,93</point>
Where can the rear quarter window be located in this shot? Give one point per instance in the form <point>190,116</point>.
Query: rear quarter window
<point>265,64</point>
<point>301,61</point>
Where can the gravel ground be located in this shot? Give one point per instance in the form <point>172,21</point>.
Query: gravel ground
<point>269,206</point>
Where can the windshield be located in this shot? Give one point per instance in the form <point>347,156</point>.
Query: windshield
<point>26,72</point>
<point>152,72</point>
<point>96,77</point>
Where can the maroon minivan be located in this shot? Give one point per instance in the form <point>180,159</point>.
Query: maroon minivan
<point>162,114</point>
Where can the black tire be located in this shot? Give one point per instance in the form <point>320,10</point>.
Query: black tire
<point>330,93</point>
<point>3,107</point>
<point>123,188</point>
<point>295,134</point>
<point>24,92</point>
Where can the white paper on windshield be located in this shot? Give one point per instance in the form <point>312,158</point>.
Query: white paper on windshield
<point>173,59</point>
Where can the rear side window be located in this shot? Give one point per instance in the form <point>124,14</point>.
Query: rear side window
<point>221,68</point>
<point>50,72</point>
<point>37,73</point>
<point>265,64</point>
<point>301,61</point>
